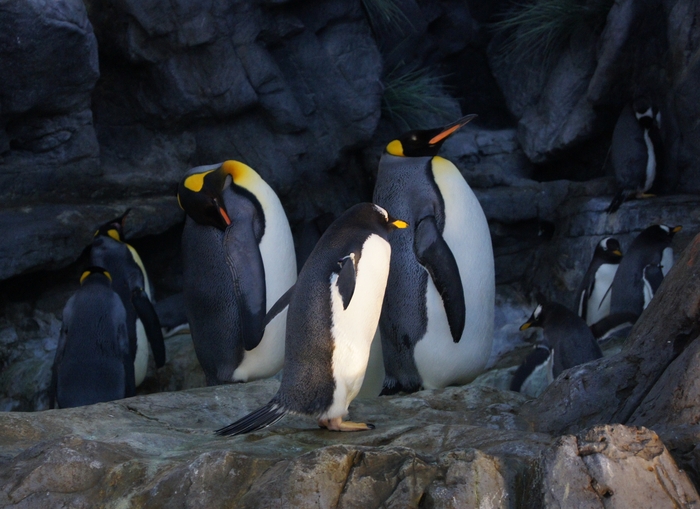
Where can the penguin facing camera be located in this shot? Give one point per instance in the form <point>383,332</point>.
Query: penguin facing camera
<point>438,315</point>
<point>637,151</point>
<point>333,311</point>
<point>594,291</point>
<point>238,259</point>
<point>652,247</point>
<point>567,336</point>
<point>130,281</point>
<point>93,362</point>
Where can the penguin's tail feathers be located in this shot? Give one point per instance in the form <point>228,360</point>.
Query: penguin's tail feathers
<point>620,197</point>
<point>261,418</point>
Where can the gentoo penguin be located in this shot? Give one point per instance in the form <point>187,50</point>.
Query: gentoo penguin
<point>594,291</point>
<point>636,151</point>
<point>438,315</point>
<point>93,362</point>
<point>333,313</point>
<point>652,276</point>
<point>651,247</point>
<point>130,281</point>
<point>238,259</point>
<point>567,336</point>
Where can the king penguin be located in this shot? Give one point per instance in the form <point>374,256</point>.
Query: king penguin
<point>651,247</point>
<point>130,281</point>
<point>594,291</point>
<point>238,259</point>
<point>636,151</point>
<point>438,315</point>
<point>333,313</point>
<point>93,362</point>
<point>567,336</point>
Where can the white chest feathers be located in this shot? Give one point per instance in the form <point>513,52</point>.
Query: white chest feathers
<point>353,328</point>
<point>439,360</point>
<point>598,306</point>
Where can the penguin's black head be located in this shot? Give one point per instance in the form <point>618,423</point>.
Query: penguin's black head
<point>425,143</point>
<point>536,318</point>
<point>96,275</point>
<point>200,195</point>
<point>114,228</point>
<point>609,250</point>
<point>660,233</point>
<point>647,114</point>
<point>370,216</point>
<point>390,222</point>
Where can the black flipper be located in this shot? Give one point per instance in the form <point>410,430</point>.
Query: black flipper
<point>278,306</point>
<point>148,316</point>
<point>620,197</point>
<point>346,279</point>
<point>248,273</point>
<point>261,418</point>
<point>434,254</point>
<point>537,357</point>
<point>612,324</point>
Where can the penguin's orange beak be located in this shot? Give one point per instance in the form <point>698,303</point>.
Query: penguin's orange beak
<point>451,128</point>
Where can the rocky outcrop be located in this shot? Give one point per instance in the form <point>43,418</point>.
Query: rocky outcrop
<point>458,447</point>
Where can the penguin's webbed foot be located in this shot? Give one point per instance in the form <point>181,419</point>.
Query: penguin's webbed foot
<point>337,424</point>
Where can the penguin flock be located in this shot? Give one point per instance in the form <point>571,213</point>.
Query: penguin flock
<point>411,273</point>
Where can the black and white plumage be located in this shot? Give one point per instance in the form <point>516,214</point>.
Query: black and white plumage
<point>534,373</point>
<point>636,151</point>
<point>567,336</point>
<point>130,281</point>
<point>437,320</point>
<point>238,259</point>
<point>652,247</point>
<point>333,311</point>
<point>594,291</point>
<point>93,362</point>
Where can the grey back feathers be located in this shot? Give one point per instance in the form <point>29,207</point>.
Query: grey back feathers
<point>627,292</point>
<point>406,187</point>
<point>93,362</point>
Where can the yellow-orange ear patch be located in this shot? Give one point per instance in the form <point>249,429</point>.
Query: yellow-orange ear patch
<point>395,148</point>
<point>195,182</point>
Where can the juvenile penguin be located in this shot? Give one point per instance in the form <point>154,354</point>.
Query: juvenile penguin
<point>437,320</point>
<point>333,313</point>
<point>567,336</point>
<point>238,259</point>
<point>594,291</point>
<point>636,151</point>
<point>651,247</point>
<point>130,281</point>
<point>93,362</point>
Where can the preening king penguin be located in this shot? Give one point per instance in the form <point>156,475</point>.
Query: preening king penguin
<point>594,291</point>
<point>651,247</point>
<point>636,151</point>
<point>437,320</point>
<point>93,362</point>
<point>238,259</point>
<point>130,281</point>
<point>567,336</point>
<point>333,312</point>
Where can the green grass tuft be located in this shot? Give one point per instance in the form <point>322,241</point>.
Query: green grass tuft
<point>386,16</point>
<point>544,26</point>
<point>413,98</point>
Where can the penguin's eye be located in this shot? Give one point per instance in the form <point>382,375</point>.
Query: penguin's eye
<point>414,137</point>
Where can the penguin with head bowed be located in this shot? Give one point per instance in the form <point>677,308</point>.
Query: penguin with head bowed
<point>636,151</point>
<point>93,362</point>
<point>652,247</point>
<point>333,312</point>
<point>566,335</point>
<point>130,281</point>
<point>437,320</point>
<point>594,291</point>
<point>238,259</point>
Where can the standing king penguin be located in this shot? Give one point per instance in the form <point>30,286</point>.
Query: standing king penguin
<point>130,281</point>
<point>238,259</point>
<point>437,320</point>
<point>333,313</point>
<point>651,247</point>
<point>636,151</point>
<point>594,291</point>
<point>93,362</point>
